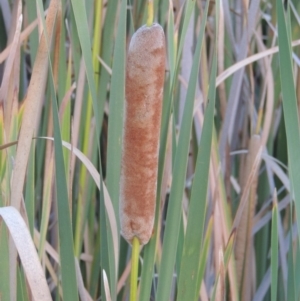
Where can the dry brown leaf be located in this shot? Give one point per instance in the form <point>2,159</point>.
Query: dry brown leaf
<point>49,249</point>
<point>106,286</point>
<point>253,58</point>
<point>124,276</point>
<point>33,102</point>
<point>7,87</point>
<point>244,241</point>
<point>84,295</point>
<point>25,33</point>
<point>220,294</point>
<point>27,252</point>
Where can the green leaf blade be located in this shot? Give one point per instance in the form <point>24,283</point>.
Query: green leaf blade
<point>174,209</point>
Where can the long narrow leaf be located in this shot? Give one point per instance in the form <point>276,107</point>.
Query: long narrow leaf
<point>274,250</point>
<point>174,208</point>
<point>67,260</point>
<point>289,106</point>
<point>196,218</point>
<point>26,250</point>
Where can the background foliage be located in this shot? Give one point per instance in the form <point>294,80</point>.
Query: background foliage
<point>228,194</point>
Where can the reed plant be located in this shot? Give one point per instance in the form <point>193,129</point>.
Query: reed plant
<point>205,192</point>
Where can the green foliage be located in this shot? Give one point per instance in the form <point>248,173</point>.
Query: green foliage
<point>227,217</point>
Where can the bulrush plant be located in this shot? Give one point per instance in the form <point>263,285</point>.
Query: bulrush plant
<point>145,70</point>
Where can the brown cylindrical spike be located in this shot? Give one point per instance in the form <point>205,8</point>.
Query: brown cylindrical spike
<point>145,71</point>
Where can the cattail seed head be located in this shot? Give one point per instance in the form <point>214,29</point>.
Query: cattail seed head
<point>145,71</point>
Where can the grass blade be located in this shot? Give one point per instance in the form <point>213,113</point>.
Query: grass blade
<point>227,255</point>
<point>67,262</point>
<point>4,264</point>
<point>116,103</point>
<point>289,106</point>
<point>106,52</point>
<point>188,283</point>
<point>85,43</point>
<point>174,208</point>
<point>274,249</point>
<point>203,256</point>
<point>291,292</point>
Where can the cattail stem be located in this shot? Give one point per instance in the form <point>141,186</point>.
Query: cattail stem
<point>134,268</point>
<point>150,13</point>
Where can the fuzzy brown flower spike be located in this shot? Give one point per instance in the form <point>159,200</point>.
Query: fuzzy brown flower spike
<point>144,92</point>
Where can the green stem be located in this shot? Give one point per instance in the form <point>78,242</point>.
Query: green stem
<point>134,268</point>
<point>150,13</point>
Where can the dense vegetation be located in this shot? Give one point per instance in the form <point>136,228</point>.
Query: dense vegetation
<point>228,193</point>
